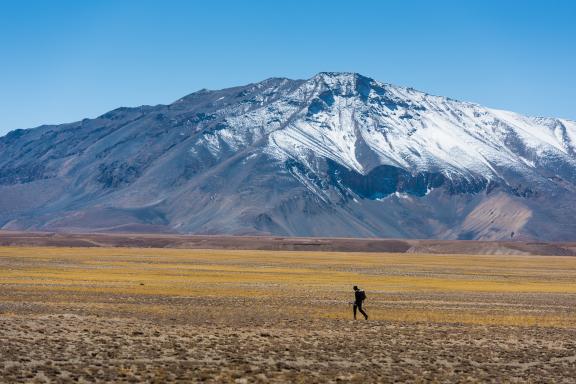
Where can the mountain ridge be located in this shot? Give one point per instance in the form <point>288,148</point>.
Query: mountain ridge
<point>339,154</point>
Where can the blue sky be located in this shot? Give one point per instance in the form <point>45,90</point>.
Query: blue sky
<point>61,61</point>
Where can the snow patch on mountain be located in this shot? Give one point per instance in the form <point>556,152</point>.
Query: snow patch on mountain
<point>413,130</point>
<point>361,123</point>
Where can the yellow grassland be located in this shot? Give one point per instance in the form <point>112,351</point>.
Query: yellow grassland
<point>399,285</point>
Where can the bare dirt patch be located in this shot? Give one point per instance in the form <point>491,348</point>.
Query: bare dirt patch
<point>280,243</point>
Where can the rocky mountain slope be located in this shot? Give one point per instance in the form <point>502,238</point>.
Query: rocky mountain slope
<point>339,154</point>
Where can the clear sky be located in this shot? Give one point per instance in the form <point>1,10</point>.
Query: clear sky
<point>61,61</point>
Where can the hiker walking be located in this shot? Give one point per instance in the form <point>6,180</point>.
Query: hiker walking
<point>359,297</point>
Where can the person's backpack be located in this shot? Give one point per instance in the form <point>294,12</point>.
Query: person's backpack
<point>362,295</point>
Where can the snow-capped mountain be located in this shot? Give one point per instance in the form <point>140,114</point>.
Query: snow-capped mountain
<point>339,154</point>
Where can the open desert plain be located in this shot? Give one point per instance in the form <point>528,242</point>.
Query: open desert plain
<point>191,315</point>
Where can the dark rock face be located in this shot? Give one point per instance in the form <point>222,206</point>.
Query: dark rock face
<point>23,174</point>
<point>337,155</point>
<point>116,174</point>
<point>385,180</point>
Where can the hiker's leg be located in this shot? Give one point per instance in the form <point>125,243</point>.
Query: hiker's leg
<point>362,311</point>
<point>354,309</point>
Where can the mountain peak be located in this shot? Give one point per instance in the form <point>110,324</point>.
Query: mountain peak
<point>345,84</point>
<point>340,77</point>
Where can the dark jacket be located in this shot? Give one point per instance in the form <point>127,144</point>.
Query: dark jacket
<point>359,296</point>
